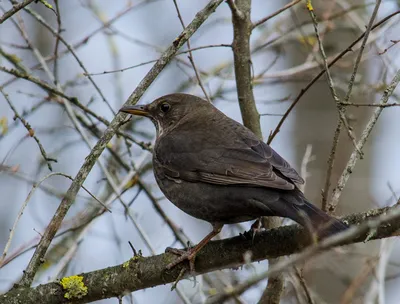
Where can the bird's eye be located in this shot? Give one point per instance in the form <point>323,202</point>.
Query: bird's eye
<point>165,107</point>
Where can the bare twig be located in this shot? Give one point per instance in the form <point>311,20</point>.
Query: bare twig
<point>155,60</point>
<point>15,9</point>
<point>360,53</point>
<point>191,55</point>
<point>307,158</point>
<point>372,105</point>
<point>263,20</point>
<point>331,163</point>
<point>394,42</point>
<point>300,277</point>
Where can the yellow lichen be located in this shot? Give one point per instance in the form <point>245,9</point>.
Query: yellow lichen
<point>307,40</point>
<point>3,125</point>
<point>126,264</point>
<point>212,291</point>
<point>309,5</point>
<point>74,286</point>
<point>137,257</point>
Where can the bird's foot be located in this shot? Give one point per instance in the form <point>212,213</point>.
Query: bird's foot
<point>254,229</point>
<point>189,254</point>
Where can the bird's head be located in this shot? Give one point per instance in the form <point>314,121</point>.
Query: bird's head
<point>167,111</point>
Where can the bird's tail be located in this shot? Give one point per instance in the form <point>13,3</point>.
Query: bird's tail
<point>313,218</point>
<point>322,223</point>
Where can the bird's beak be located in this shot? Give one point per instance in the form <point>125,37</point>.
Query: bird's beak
<point>136,110</point>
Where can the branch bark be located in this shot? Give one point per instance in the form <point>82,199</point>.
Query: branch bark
<point>91,159</point>
<point>16,8</point>
<point>144,272</point>
<point>242,27</point>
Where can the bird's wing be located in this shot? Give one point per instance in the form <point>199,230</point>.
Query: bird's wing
<point>276,161</point>
<point>245,162</point>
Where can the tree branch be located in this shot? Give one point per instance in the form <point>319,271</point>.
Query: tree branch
<point>14,10</point>
<point>144,272</point>
<point>242,27</point>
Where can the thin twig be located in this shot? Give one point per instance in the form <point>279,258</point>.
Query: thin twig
<point>191,55</point>
<point>360,53</point>
<point>388,105</point>
<point>15,9</point>
<point>307,158</point>
<point>394,42</point>
<point>331,163</point>
<point>263,20</point>
<point>57,43</point>
<point>155,60</point>
<point>300,277</point>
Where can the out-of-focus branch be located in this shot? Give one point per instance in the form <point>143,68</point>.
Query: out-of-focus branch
<point>144,272</point>
<point>279,11</point>
<point>91,159</point>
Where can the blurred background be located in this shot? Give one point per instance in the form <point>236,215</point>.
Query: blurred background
<point>116,42</point>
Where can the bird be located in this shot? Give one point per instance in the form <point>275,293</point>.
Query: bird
<point>217,170</point>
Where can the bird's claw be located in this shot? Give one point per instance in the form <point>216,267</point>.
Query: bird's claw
<point>188,254</point>
<point>251,234</point>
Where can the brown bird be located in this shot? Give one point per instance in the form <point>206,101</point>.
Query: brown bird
<point>215,169</point>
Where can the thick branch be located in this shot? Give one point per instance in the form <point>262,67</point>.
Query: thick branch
<point>144,272</point>
<point>91,159</point>
<point>242,27</point>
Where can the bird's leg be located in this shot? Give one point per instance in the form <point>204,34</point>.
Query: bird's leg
<point>190,253</point>
<point>254,229</point>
